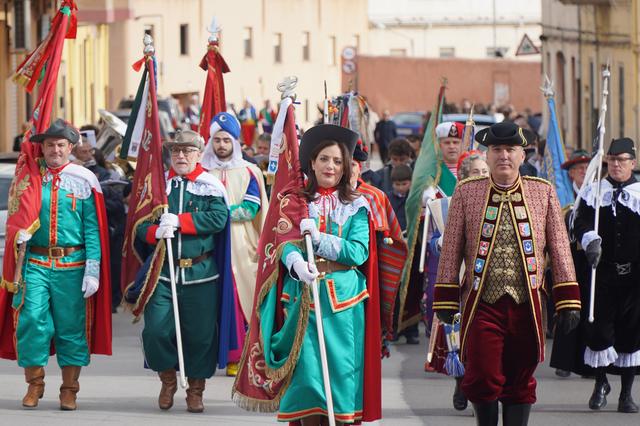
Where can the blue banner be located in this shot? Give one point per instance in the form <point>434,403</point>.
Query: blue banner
<point>554,156</point>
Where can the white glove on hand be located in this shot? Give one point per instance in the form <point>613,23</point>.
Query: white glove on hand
<point>305,272</point>
<point>428,195</point>
<point>170,219</point>
<point>89,286</point>
<point>23,236</point>
<point>165,232</point>
<point>309,225</point>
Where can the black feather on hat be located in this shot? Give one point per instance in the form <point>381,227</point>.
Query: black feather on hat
<point>505,133</point>
<point>323,132</point>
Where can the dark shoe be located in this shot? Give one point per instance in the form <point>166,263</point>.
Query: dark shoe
<point>598,398</point>
<point>412,340</point>
<point>626,404</point>
<point>459,400</point>
<point>169,388</point>
<point>69,388</point>
<point>35,377</point>
<point>194,396</point>
<point>562,373</point>
<point>515,414</point>
<point>486,413</point>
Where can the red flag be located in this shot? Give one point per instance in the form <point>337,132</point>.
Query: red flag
<point>214,99</point>
<point>253,388</point>
<point>25,193</point>
<point>148,195</point>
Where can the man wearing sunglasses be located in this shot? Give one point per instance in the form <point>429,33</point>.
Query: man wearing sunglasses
<point>613,339</point>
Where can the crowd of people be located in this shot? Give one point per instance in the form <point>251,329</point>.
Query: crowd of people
<point>501,260</point>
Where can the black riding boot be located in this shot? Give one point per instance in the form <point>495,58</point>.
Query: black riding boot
<point>625,403</point>
<point>459,400</point>
<point>602,388</point>
<point>515,414</point>
<point>486,413</point>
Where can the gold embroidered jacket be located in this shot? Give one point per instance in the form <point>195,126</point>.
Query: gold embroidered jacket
<point>475,211</point>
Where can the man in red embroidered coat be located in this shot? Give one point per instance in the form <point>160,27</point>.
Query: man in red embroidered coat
<point>502,226</point>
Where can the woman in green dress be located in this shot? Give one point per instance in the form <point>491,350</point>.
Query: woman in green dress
<point>339,227</point>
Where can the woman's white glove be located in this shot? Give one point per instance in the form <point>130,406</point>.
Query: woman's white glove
<point>165,231</point>
<point>305,272</point>
<point>309,225</point>
<point>89,286</point>
<point>23,236</point>
<point>170,219</point>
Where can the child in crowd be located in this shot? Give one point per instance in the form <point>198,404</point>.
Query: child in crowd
<point>401,183</point>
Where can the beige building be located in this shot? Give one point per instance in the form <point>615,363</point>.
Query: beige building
<point>579,39</point>
<point>261,41</point>
<point>469,29</point>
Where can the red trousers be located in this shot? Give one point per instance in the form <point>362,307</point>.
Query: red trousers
<point>501,354</point>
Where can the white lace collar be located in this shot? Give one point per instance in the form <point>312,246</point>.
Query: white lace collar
<point>628,197</point>
<point>340,212</point>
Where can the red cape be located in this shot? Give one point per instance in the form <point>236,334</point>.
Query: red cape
<point>99,307</point>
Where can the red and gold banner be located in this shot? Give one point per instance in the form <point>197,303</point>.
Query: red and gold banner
<point>214,99</point>
<point>148,195</point>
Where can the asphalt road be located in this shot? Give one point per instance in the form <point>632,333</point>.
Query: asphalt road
<point>118,390</point>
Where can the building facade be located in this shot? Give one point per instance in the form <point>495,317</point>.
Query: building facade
<point>579,39</point>
<point>468,29</point>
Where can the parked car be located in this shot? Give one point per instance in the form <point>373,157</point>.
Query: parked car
<point>169,105</point>
<point>409,123</point>
<point>482,121</point>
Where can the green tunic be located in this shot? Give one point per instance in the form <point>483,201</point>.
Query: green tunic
<point>202,214</point>
<point>341,297</point>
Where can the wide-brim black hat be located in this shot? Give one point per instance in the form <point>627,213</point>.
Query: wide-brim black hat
<point>505,133</point>
<point>622,146</point>
<point>577,157</point>
<point>324,132</point>
<point>59,129</point>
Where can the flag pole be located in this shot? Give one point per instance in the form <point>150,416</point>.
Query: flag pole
<point>320,330</point>
<point>606,74</point>
<point>149,50</point>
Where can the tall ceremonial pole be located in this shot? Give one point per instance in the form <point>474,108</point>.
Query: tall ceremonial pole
<point>316,298</point>
<point>606,74</point>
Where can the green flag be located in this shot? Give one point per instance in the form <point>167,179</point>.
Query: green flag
<point>135,126</point>
<point>427,172</point>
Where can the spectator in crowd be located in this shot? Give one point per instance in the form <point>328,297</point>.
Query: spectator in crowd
<point>17,141</point>
<point>401,183</point>
<point>416,142</point>
<point>400,152</point>
<point>267,117</point>
<point>384,133</point>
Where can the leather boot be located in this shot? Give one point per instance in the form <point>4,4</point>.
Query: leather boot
<point>602,388</point>
<point>194,395</point>
<point>625,403</point>
<point>459,400</point>
<point>70,387</point>
<point>486,413</point>
<point>169,388</point>
<point>515,414</point>
<point>35,377</point>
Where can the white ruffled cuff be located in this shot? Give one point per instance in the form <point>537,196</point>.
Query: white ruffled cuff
<point>601,358</point>
<point>329,246</point>
<point>292,258</point>
<point>588,237</point>
<point>628,360</point>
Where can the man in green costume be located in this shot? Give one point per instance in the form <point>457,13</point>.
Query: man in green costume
<point>63,269</point>
<point>197,213</point>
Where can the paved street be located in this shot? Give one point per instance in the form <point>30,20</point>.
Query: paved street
<point>117,390</point>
